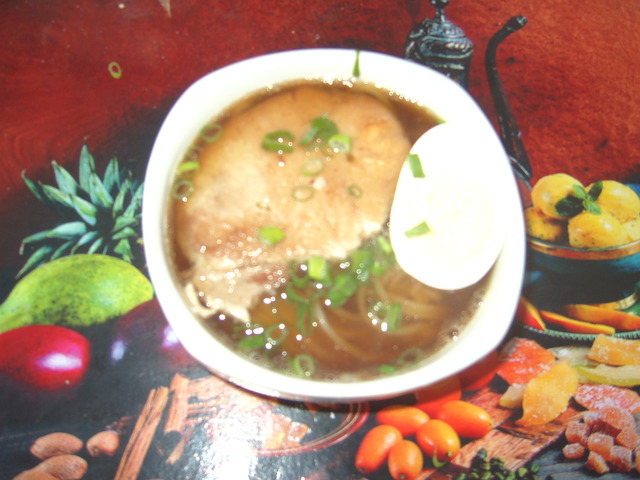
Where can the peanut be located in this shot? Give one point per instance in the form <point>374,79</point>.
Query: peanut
<point>34,475</point>
<point>53,444</point>
<point>64,467</point>
<point>104,443</point>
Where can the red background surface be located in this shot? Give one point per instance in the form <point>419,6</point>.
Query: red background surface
<point>571,76</point>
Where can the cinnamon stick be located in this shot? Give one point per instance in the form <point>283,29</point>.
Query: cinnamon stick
<point>178,408</point>
<point>142,435</point>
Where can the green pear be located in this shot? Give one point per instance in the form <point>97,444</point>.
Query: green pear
<point>75,291</point>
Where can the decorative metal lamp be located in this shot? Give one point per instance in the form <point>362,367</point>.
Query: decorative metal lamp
<point>442,45</point>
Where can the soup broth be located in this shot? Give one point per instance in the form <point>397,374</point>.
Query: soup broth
<point>278,228</point>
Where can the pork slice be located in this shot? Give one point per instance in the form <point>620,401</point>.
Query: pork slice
<point>242,187</point>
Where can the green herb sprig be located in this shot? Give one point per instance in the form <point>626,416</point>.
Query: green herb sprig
<point>580,201</point>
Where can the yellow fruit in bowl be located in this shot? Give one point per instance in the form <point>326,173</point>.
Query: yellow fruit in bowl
<point>551,189</point>
<point>592,230</point>
<point>543,227</point>
<point>618,199</point>
<point>632,228</point>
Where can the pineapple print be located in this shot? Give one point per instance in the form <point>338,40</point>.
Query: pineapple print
<point>98,215</point>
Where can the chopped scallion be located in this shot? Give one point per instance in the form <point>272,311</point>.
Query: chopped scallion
<point>340,143</point>
<point>356,65</point>
<point>345,286</point>
<point>384,245</point>
<point>115,70</point>
<point>211,132</point>
<point>394,316</point>
<point>270,235</point>
<point>313,167</point>
<point>420,229</point>
<point>275,334</point>
<point>298,280</point>
<point>410,357</point>
<point>303,365</point>
<point>355,191</point>
<point>294,296</point>
<point>321,129</point>
<point>363,260</point>
<point>304,318</point>
<point>302,193</point>
<point>182,188</point>
<point>415,165</point>
<point>386,369</point>
<point>278,141</point>
<point>318,268</point>
<point>186,167</point>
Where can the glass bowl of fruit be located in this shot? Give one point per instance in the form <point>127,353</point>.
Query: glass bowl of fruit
<point>584,254</point>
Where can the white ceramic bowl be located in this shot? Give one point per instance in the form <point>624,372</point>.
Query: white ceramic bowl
<point>221,88</point>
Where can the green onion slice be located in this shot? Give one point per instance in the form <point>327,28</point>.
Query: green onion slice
<point>304,318</point>
<point>355,191</point>
<point>410,357</point>
<point>318,268</point>
<point>356,65</point>
<point>415,165</point>
<point>188,167</point>
<point>303,365</point>
<point>340,143</point>
<point>345,286</point>
<point>394,317</point>
<point>313,167</point>
<point>252,341</point>
<point>298,280</point>
<point>211,132</point>
<point>278,141</point>
<point>115,70</point>
<point>363,261</point>
<point>182,188</point>
<point>302,193</point>
<point>276,334</point>
<point>420,229</point>
<point>386,369</point>
<point>270,235</point>
<point>321,129</point>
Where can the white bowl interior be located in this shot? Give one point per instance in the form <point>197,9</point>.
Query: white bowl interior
<point>219,89</point>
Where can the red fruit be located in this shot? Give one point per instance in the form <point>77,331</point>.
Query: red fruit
<point>405,418</point>
<point>438,440</point>
<point>431,399</point>
<point>43,358</point>
<point>467,419</point>
<point>375,447</point>
<point>145,332</point>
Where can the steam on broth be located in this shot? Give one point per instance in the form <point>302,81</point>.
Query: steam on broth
<point>279,232</point>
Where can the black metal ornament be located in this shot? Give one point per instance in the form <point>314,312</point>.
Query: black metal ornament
<point>442,45</point>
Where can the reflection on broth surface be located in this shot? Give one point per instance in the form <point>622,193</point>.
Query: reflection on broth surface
<point>278,228</point>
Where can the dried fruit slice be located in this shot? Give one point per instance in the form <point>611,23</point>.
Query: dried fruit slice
<point>624,376</point>
<point>548,395</point>
<point>600,443</point>
<point>577,432</point>
<point>617,319</point>
<point>574,354</point>
<point>596,396</point>
<point>615,351</point>
<point>523,359</point>
<point>573,451</point>
<point>576,326</point>
<point>513,396</point>
<point>529,315</point>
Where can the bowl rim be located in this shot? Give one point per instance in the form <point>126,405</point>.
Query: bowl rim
<point>393,73</point>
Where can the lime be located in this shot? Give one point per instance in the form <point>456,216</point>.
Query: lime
<point>75,291</point>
